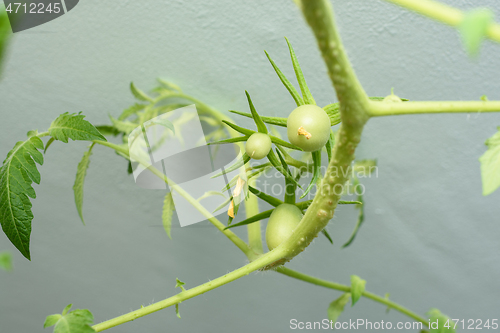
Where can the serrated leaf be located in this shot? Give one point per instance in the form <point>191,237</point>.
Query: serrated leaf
<point>255,218</point>
<point>436,316</point>
<point>81,172</point>
<point>132,110</point>
<point>17,174</point>
<point>490,164</point>
<point>306,94</point>
<point>6,261</point>
<point>167,214</point>
<point>266,197</point>
<point>139,94</point>
<point>291,89</point>
<point>473,29</point>
<point>337,307</point>
<point>76,321</point>
<point>73,126</point>
<point>261,127</point>
<point>357,288</point>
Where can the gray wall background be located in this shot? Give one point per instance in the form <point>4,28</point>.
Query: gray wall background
<point>430,237</point>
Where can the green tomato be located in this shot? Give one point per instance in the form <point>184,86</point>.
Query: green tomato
<point>258,146</point>
<point>282,222</point>
<point>308,127</point>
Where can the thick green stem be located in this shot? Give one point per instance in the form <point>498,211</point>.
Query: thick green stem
<point>353,109</point>
<point>344,288</point>
<point>443,13</point>
<point>190,293</point>
<point>378,109</point>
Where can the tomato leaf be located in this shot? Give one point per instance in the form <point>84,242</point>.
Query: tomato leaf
<point>17,174</point>
<point>357,288</point>
<point>291,89</point>
<point>490,164</point>
<point>6,261</point>
<point>473,29</point>
<point>76,321</point>
<point>168,212</point>
<point>337,307</point>
<point>73,126</point>
<point>81,172</point>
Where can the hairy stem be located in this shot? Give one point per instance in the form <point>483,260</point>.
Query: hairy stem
<point>378,109</point>
<point>190,293</point>
<point>443,13</point>
<point>344,288</point>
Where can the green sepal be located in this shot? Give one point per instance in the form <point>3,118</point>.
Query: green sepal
<point>230,140</point>
<point>255,218</point>
<point>261,127</point>
<point>238,128</point>
<point>291,89</point>
<point>333,112</point>
<point>316,155</point>
<point>361,216</point>
<point>240,162</point>
<point>306,94</point>
<point>324,232</point>
<point>277,164</point>
<point>266,197</point>
<point>329,145</point>
<point>278,141</point>
<point>289,195</point>
<point>278,121</point>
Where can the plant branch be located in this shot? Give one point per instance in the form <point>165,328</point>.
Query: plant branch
<point>443,13</point>
<point>378,109</point>
<point>190,293</point>
<point>344,288</point>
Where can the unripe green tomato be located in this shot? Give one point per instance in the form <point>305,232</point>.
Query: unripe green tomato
<point>283,220</point>
<point>308,127</point>
<point>392,99</point>
<point>258,146</point>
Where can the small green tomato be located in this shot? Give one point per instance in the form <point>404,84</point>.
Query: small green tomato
<point>258,146</point>
<point>308,127</point>
<point>282,222</point>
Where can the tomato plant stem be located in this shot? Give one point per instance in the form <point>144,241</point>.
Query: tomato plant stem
<point>378,109</point>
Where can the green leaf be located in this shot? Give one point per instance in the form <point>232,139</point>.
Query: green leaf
<point>306,94</point>
<point>357,288</point>
<point>133,110</point>
<point>361,217</point>
<point>266,197</point>
<point>48,144</point>
<point>165,123</point>
<point>261,127</point>
<point>167,214</point>
<point>81,172</point>
<point>123,126</point>
<point>435,316</point>
<point>108,130</point>
<point>291,89</point>
<point>474,28</point>
<point>179,284</point>
<point>277,164</point>
<point>327,235</point>
<point>337,307</point>
<point>139,94</point>
<point>278,121</point>
<point>73,126</point>
<point>255,218</point>
<point>333,112</point>
<point>329,145</point>
<point>6,261</point>
<point>316,155</point>
<point>17,174</point>
<point>76,321</point>
<point>490,164</point>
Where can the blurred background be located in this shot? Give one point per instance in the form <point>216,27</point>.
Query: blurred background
<point>430,238</point>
